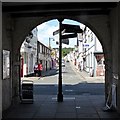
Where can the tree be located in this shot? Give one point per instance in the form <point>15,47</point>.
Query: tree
<point>66,51</point>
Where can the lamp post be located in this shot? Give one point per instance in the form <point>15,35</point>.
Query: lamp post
<point>50,41</point>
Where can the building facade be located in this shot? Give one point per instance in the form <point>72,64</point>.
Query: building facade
<point>44,56</point>
<point>93,57</point>
<point>29,53</point>
<point>88,54</point>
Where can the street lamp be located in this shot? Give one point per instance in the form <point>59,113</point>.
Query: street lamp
<point>50,41</point>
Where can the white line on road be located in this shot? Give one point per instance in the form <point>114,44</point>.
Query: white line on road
<point>67,98</point>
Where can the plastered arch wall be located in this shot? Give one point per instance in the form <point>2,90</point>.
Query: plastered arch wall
<point>21,26</point>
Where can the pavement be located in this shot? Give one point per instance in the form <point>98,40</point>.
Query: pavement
<point>73,106</point>
<point>86,76</point>
<point>46,106</point>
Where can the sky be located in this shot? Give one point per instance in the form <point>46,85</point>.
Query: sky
<point>46,29</point>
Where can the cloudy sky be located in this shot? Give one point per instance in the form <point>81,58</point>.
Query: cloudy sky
<point>46,29</point>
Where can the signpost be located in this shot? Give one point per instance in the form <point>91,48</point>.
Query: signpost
<point>69,36</point>
<point>73,30</point>
<point>65,41</point>
<point>57,32</point>
<point>66,28</point>
<point>60,95</point>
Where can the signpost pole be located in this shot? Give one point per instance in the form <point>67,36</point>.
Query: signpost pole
<point>60,95</point>
<point>74,29</point>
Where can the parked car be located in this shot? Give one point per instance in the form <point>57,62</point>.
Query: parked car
<point>63,64</point>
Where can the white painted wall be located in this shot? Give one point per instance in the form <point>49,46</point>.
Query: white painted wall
<point>31,53</point>
<point>94,46</point>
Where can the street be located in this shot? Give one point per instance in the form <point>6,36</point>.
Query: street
<point>81,94</point>
<point>73,83</point>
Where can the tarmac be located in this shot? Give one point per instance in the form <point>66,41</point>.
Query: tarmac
<point>73,106</point>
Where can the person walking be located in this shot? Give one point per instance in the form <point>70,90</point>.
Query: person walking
<point>40,68</point>
<point>36,69</point>
<point>79,66</point>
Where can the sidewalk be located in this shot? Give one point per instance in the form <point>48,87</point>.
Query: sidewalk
<point>44,74</point>
<point>83,74</point>
<point>46,106</point>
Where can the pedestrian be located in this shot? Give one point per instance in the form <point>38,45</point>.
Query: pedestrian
<point>36,69</point>
<point>79,67</point>
<point>40,68</point>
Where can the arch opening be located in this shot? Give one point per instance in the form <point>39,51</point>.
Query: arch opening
<point>87,56</point>
<point>84,88</point>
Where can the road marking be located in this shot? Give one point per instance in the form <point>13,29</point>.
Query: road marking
<point>78,107</point>
<point>69,90</point>
<point>67,98</point>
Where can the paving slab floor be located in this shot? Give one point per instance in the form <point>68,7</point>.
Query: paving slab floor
<point>73,106</point>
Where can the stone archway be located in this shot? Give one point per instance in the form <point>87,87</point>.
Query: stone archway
<point>21,26</point>
<point>98,24</point>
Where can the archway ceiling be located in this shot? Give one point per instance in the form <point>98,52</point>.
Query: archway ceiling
<point>32,9</point>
